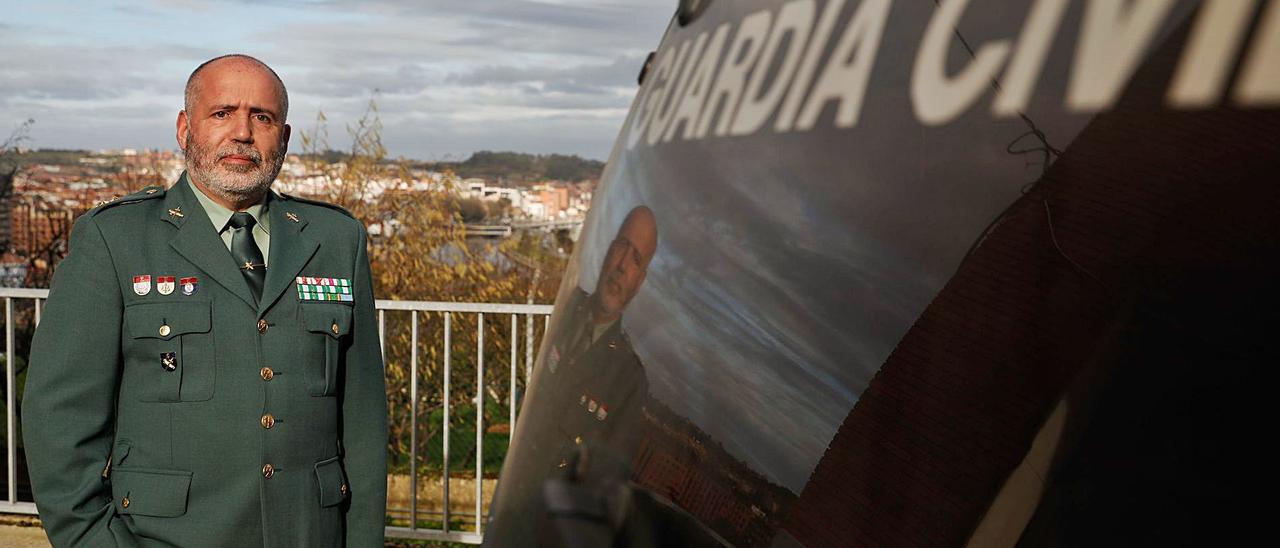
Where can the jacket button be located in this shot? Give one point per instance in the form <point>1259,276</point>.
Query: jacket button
<point>343,488</point>
<point>577,440</point>
<point>268,471</point>
<point>164,331</point>
<point>124,503</point>
<point>334,328</point>
<point>267,373</point>
<point>262,326</point>
<point>268,421</point>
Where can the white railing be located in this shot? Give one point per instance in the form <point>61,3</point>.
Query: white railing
<point>415,310</point>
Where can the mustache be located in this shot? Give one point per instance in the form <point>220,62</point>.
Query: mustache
<point>247,151</point>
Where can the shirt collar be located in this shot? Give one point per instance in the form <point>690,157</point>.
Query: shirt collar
<point>220,215</point>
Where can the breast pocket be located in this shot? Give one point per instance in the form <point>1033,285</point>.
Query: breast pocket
<point>169,350</point>
<point>329,326</point>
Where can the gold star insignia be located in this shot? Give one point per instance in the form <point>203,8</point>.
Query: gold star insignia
<point>176,212</point>
<point>152,190</point>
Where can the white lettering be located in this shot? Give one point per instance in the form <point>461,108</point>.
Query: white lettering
<point>845,77</point>
<point>668,111</point>
<point>775,67</point>
<point>1111,44</point>
<point>1260,80</point>
<point>1206,58</point>
<point>804,75</point>
<point>938,99</point>
<point>1024,68</point>
<point>696,90</point>
<point>651,97</point>
<point>795,19</point>
<point>733,73</point>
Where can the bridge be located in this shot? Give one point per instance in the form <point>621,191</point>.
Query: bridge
<point>507,229</point>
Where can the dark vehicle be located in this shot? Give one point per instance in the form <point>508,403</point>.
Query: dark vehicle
<point>921,273</point>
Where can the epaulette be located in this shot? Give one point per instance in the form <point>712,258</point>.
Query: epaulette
<point>334,207</point>
<point>146,193</point>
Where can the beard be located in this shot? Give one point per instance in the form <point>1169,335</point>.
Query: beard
<point>234,183</point>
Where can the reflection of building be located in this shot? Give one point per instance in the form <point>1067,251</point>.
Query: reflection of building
<point>679,461</point>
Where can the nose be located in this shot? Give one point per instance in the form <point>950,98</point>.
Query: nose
<point>243,130</point>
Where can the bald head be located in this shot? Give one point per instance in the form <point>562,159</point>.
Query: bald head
<point>641,229</point>
<point>232,129</point>
<point>195,81</point>
<point>625,264</point>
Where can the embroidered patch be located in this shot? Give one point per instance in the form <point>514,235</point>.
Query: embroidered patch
<point>323,289</point>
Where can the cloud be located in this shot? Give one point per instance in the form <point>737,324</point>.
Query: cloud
<point>487,75</point>
<point>63,72</point>
<point>595,77</point>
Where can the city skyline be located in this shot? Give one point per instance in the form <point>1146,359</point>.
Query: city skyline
<point>449,77</point>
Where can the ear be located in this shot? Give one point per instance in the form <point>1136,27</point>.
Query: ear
<point>183,126</point>
<point>284,138</point>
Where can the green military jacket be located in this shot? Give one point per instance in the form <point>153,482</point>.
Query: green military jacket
<point>173,411</point>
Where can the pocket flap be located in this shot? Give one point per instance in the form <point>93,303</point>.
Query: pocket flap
<point>333,320</point>
<point>332,482</point>
<point>166,320</point>
<point>158,493</point>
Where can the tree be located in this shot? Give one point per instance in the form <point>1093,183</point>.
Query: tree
<point>419,250</point>
<point>9,168</point>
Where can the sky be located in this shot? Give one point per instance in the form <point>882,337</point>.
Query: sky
<point>449,77</point>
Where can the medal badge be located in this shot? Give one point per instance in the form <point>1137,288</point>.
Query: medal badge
<point>142,284</point>
<point>602,413</point>
<point>165,284</point>
<point>311,288</point>
<point>189,285</point>
<point>169,360</point>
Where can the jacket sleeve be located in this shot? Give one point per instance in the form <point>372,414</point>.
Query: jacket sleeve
<point>364,415</point>
<point>68,411</point>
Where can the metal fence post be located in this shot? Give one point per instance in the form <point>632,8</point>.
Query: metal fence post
<point>448,327</point>
<point>413,421</point>
<point>479,416</point>
<point>11,400</point>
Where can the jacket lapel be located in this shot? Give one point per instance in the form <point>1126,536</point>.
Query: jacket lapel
<point>199,243</point>
<point>290,250</point>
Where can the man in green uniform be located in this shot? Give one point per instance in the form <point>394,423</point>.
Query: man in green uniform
<point>599,381</point>
<point>207,370</point>
<point>588,399</point>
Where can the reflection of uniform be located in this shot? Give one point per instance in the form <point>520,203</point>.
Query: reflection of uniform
<point>598,381</point>
<point>228,423</point>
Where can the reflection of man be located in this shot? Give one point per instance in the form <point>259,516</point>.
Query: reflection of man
<point>207,371</point>
<point>599,380</point>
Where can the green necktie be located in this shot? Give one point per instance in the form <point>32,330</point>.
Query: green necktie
<point>247,254</point>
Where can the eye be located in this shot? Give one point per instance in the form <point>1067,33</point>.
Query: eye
<point>221,114</point>
<point>262,118</point>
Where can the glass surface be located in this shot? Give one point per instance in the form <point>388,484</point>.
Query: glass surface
<point>734,293</point>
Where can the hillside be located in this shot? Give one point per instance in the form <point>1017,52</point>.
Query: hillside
<point>516,167</point>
